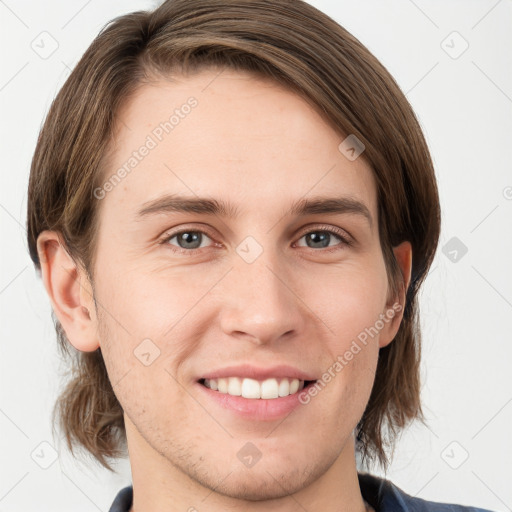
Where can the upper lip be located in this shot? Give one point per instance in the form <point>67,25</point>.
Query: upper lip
<point>259,373</point>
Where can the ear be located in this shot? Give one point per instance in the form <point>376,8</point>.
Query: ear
<point>395,308</point>
<point>69,290</point>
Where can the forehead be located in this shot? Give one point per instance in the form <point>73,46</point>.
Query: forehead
<point>228,135</point>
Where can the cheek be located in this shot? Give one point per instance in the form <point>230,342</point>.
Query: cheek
<point>146,303</point>
<point>146,329</point>
<point>141,375</point>
<point>343,390</point>
<point>351,304</point>
<point>348,301</point>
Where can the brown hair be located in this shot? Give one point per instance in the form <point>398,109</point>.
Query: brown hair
<point>305,50</point>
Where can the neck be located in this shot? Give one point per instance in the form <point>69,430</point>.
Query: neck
<point>160,485</point>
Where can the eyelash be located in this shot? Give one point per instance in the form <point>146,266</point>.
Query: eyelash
<point>320,229</point>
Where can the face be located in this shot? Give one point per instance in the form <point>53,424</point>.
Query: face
<point>263,288</point>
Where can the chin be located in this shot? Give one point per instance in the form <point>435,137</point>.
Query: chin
<point>275,475</point>
<point>263,484</point>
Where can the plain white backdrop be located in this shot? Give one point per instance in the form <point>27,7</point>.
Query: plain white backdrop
<point>453,61</point>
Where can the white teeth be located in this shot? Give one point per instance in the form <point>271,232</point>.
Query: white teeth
<point>251,388</point>
<point>270,388</point>
<point>234,386</point>
<point>284,388</point>
<point>222,385</point>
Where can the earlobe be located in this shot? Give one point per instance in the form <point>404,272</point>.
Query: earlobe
<point>403,256</point>
<point>69,291</point>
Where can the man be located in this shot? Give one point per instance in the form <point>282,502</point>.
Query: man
<point>233,208</point>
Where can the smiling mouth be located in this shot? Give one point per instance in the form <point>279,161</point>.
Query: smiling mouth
<point>254,389</point>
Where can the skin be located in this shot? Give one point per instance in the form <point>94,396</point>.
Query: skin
<point>260,146</point>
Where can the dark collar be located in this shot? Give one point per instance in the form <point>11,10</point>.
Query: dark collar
<point>380,493</point>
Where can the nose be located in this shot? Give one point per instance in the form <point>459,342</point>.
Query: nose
<point>261,303</point>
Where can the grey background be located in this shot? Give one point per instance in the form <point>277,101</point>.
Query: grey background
<point>463,98</point>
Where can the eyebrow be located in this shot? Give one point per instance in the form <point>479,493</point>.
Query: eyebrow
<point>211,206</point>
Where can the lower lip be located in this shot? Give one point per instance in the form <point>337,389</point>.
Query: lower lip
<point>256,409</point>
